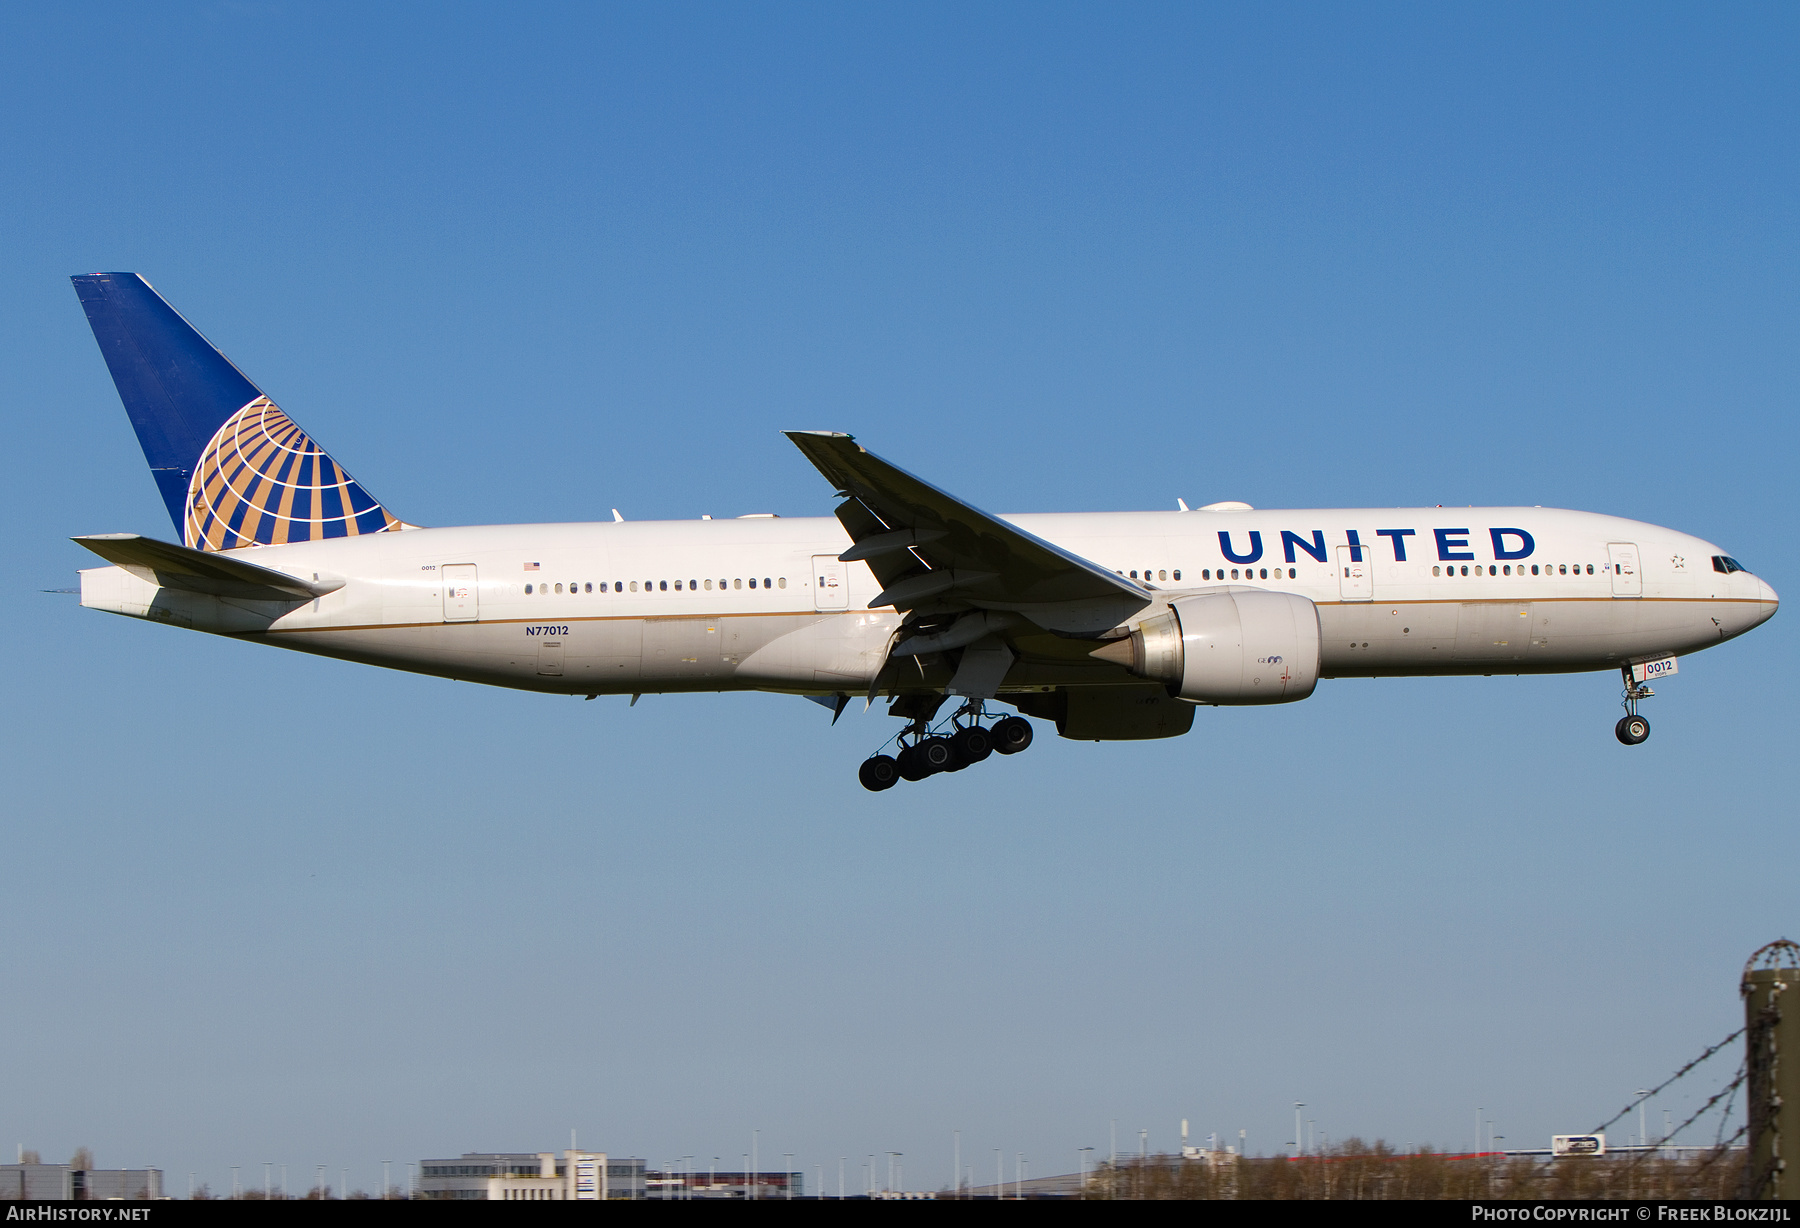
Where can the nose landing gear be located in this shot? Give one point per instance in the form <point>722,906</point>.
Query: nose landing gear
<point>1632,728</point>
<point>923,753</point>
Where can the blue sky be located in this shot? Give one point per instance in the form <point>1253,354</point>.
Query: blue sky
<point>530,267</point>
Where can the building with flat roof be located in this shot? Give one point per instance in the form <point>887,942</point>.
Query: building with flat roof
<point>65,1182</point>
<point>542,1176</point>
<point>683,1183</point>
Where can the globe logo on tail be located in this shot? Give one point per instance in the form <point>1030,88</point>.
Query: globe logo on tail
<point>262,481</point>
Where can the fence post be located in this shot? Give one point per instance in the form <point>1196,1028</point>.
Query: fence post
<point>1772,1065</point>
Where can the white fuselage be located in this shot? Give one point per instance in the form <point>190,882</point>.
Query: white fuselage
<point>608,608</point>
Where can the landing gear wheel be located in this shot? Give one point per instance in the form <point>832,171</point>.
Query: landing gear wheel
<point>936,755</point>
<point>878,773</point>
<point>973,744</point>
<point>910,766</point>
<point>1632,729</point>
<point>1011,735</point>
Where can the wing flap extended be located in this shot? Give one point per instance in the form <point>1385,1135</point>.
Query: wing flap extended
<point>198,571</point>
<point>963,553</point>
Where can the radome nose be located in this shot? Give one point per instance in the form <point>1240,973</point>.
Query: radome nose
<point>1766,594</point>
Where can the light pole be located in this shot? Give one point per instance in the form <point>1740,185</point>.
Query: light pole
<point>1081,1156</point>
<point>387,1185</point>
<point>755,1162</point>
<point>788,1179</point>
<point>956,1167</point>
<point>1643,1130</point>
<point>1298,1105</point>
<point>237,1191</point>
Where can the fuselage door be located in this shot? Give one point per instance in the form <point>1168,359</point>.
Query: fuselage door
<point>1627,580</point>
<point>1354,581</point>
<point>831,583</point>
<point>458,580</point>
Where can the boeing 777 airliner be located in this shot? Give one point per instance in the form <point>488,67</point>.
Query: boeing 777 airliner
<point>1112,625</point>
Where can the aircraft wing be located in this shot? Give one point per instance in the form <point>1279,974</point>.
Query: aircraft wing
<point>927,547</point>
<point>222,575</point>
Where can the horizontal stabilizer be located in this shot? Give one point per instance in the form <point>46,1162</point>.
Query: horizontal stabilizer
<point>198,571</point>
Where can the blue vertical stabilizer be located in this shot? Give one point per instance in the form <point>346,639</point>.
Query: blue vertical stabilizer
<point>232,468</point>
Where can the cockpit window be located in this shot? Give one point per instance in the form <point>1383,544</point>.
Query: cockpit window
<point>1725,566</point>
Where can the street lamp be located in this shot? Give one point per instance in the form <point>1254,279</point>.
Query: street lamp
<point>1081,1155</point>
<point>1298,1105</point>
<point>1643,1131</point>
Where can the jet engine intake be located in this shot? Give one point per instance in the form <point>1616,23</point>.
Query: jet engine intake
<point>1241,647</point>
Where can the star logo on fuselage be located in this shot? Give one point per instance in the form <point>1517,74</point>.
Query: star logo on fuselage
<point>1678,561</point>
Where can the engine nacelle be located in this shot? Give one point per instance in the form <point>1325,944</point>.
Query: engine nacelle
<point>1245,646</point>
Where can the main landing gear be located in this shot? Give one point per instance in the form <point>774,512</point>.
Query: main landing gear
<point>924,753</point>
<point>1633,728</point>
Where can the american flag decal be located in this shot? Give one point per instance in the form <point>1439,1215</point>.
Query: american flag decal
<point>531,567</point>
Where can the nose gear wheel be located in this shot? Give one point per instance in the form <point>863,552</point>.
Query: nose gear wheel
<point>1632,728</point>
